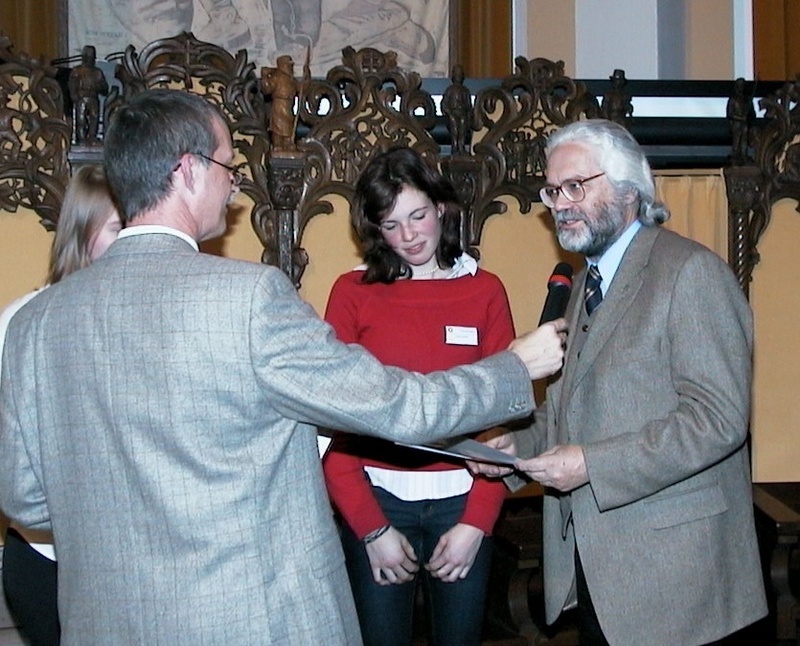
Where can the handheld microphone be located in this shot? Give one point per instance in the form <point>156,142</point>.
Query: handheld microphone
<point>559,287</point>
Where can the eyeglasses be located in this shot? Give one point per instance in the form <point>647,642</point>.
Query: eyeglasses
<point>236,174</point>
<point>572,189</point>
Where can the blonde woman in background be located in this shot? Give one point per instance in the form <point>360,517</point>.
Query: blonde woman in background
<point>87,225</point>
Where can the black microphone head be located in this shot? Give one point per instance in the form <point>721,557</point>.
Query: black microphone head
<point>562,275</point>
<point>559,286</point>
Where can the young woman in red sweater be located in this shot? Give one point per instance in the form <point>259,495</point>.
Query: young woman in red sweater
<point>419,302</point>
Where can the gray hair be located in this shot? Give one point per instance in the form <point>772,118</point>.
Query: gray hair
<point>146,139</point>
<point>621,158</point>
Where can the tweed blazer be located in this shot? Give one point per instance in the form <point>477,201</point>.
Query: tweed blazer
<point>656,389</point>
<point>158,412</point>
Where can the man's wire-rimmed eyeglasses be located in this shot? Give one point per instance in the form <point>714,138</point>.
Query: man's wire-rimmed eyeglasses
<point>236,174</point>
<point>572,189</point>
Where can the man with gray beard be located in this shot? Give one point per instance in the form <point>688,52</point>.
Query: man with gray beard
<point>641,444</point>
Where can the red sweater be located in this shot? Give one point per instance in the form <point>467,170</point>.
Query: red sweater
<point>404,324</point>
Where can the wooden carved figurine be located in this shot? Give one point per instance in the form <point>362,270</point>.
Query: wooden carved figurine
<point>86,84</point>
<point>740,113</point>
<point>617,106</point>
<point>457,107</point>
<point>280,84</point>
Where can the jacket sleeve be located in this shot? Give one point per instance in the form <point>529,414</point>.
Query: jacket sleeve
<point>486,496</point>
<point>308,376</point>
<point>22,496</point>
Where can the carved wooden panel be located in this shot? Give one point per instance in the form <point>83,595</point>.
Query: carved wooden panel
<point>229,82</point>
<point>367,104</point>
<point>362,107</point>
<point>775,174</point>
<point>517,116</point>
<point>34,136</point>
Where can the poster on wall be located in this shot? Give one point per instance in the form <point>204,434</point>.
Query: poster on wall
<point>418,30</point>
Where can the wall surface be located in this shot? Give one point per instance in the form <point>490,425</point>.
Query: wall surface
<point>776,25</point>
<point>776,404</point>
<point>628,39</point>
<point>521,250</point>
<point>709,40</point>
<point>520,247</point>
<point>594,38</point>
<point>24,249</point>
<point>551,31</point>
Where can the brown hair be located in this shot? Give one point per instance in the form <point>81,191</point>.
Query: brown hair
<point>87,205</point>
<point>375,194</point>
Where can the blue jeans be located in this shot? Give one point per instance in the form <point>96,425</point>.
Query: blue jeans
<point>455,610</point>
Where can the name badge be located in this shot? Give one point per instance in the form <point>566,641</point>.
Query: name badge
<point>459,335</point>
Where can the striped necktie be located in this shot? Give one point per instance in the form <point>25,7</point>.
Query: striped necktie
<point>592,294</point>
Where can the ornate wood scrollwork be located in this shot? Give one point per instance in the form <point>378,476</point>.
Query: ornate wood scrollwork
<point>518,116</point>
<point>227,81</point>
<point>367,104</point>
<point>753,190</point>
<point>362,107</point>
<point>778,149</point>
<point>278,223</point>
<point>34,136</point>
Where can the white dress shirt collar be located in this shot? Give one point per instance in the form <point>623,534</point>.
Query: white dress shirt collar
<point>463,266</point>
<point>141,229</point>
<point>610,261</point>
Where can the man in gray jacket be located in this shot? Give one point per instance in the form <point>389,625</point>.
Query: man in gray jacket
<point>158,412</point>
<point>641,446</point>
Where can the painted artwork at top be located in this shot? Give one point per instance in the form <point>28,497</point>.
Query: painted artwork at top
<point>418,30</point>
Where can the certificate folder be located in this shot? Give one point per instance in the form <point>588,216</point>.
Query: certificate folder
<point>466,449</point>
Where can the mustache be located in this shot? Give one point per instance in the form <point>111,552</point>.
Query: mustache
<point>562,215</point>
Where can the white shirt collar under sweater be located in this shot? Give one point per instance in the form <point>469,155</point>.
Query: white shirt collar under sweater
<point>464,265</point>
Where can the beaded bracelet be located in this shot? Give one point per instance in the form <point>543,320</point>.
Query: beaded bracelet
<point>373,536</point>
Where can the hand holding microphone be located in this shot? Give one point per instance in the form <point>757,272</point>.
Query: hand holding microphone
<point>543,349</point>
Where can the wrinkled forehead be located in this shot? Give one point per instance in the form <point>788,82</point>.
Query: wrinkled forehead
<point>570,160</point>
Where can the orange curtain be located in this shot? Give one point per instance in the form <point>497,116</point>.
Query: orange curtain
<point>698,204</point>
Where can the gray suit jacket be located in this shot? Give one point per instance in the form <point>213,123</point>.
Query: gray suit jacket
<point>658,396</point>
<point>158,412</point>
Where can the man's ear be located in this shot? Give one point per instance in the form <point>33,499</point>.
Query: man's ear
<point>631,196</point>
<point>186,170</point>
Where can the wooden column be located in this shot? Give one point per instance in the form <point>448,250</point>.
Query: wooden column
<point>776,39</point>
<point>483,37</point>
